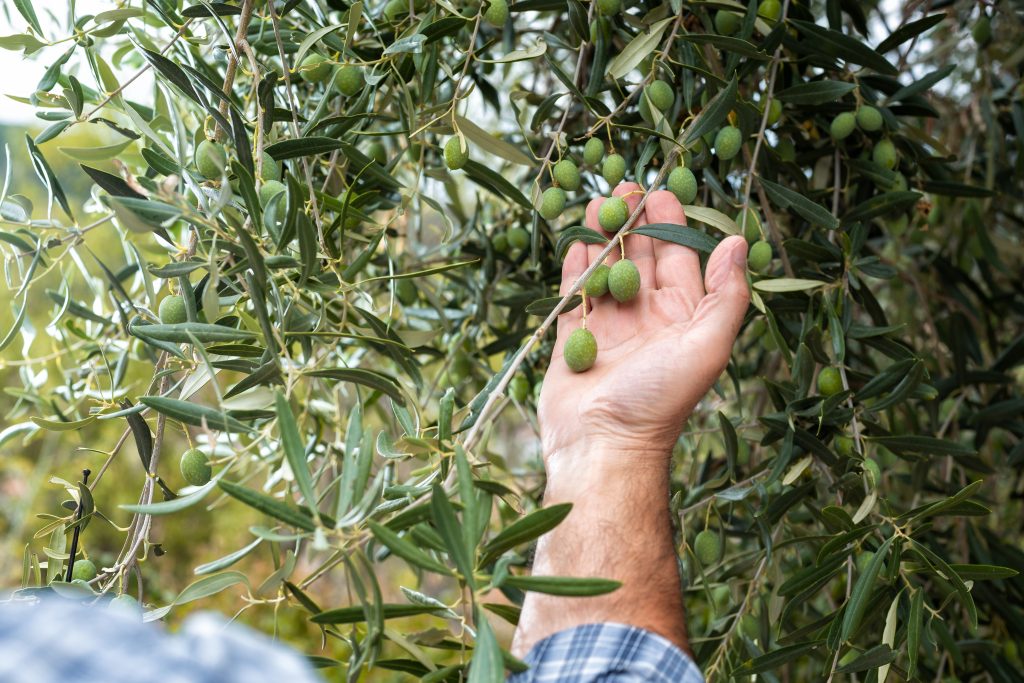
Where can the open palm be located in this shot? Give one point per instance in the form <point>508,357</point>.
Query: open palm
<point>658,354</point>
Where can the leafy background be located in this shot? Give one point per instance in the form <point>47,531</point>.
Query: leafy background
<point>339,383</point>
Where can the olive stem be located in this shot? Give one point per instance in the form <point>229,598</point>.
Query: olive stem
<point>78,529</point>
<point>229,74</point>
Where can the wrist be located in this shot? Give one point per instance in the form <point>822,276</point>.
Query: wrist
<point>598,471</point>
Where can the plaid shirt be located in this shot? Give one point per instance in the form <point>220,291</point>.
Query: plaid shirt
<point>59,641</point>
<point>603,653</point>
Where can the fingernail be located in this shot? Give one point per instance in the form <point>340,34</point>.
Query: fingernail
<point>739,254</point>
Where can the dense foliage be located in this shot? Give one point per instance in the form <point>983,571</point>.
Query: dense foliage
<point>322,247</point>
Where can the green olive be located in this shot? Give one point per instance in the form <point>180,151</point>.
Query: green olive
<point>683,184</point>
<point>597,283</point>
<point>496,13</point>
<point>614,169</point>
<point>349,80</point>
<point>728,142</point>
<point>552,203</point>
<point>613,213</point>
<point>455,157</point>
<point>519,238</point>
<point>593,152</point>
<point>707,547</point>
<point>842,125</point>
<point>172,310</point>
<point>566,175</point>
<point>830,381</point>
<point>195,468</point>
<point>760,256</point>
<point>580,350</point>
<point>869,118</point>
<point>624,280</point>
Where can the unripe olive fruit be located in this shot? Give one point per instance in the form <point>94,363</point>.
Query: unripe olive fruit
<point>751,224</point>
<point>728,142</point>
<point>377,152</point>
<point>500,242</point>
<point>624,280</point>
<point>609,7</point>
<point>645,110</point>
<point>194,467</point>
<point>172,310</point>
<point>597,283</point>
<point>842,125</point>
<point>395,8</point>
<point>593,152</point>
<point>406,291</point>
<point>884,154</point>
<point>844,445</point>
<point>614,169</point>
<point>1011,651</point>
<point>552,203</point>
<point>660,94</point>
<point>982,30</point>
<point>707,547</point>
<point>774,112</point>
<point>269,190</point>
<point>84,570</point>
<point>727,23</point>
<point>270,169</point>
<point>211,159</point>
<point>315,68</point>
<point>566,175</point>
<point>683,184</point>
<point>869,118</point>
<point>454,156</point>
<point>830,382</point>
<point>760,256</point>
<point>349,79</point>
<point>721,597</point>
<point>496,13</point>
<point>770,10</point>
<point>138,350</point>
<point>519,238</point>
<point>872,471</point>
<point>580,350</point>
<point>462,367</point>
<point>519,388</point>
<point>613,213</point>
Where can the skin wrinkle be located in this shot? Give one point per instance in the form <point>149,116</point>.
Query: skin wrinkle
<point>607,433</point>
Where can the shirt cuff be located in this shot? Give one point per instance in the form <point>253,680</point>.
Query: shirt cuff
<point>604,653</point>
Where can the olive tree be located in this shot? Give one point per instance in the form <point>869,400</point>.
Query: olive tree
<point>314,279</point>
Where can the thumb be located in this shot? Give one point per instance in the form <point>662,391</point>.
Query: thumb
<point>720,313</point>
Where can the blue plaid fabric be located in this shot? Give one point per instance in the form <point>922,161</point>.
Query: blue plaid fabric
<point>607,653</point>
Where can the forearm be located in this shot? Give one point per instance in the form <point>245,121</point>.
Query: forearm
<point>619,528</point>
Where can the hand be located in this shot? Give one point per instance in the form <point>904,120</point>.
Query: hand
<point>658,354</point>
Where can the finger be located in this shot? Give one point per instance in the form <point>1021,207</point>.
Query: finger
<point>572,267</point>
<point>678,266</point>
<point>639,248</point>
<point>720,312</point>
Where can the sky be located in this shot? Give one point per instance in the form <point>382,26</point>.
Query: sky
<point>20,74</point>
